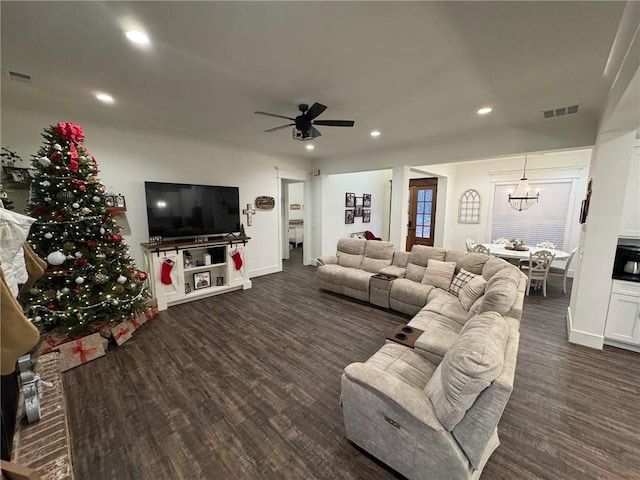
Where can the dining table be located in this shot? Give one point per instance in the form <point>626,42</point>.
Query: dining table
<point>501,250</point>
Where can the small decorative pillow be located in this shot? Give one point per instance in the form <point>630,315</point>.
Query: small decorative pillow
<point>439,274</point>
<point>459,281</point>
<point>472,291</point>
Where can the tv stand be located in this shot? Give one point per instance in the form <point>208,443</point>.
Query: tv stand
<point>191,277</point>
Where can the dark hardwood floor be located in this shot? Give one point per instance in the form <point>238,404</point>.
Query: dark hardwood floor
<point>246,385</point>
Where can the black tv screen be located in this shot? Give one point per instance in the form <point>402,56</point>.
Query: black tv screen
<point>176,210</point>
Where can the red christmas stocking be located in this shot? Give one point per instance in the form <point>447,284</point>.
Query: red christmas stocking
<point>237,259</point>
<point>165,273</point>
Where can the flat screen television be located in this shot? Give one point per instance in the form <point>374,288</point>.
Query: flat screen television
<point>176,210</point>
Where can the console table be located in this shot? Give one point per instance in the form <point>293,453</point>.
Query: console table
<point>195,270</point>
<point>379,289</point>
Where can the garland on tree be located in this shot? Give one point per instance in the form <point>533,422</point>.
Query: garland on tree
<point>90,275</point>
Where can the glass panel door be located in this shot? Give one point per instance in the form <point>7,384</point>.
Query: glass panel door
<point>422,211</point>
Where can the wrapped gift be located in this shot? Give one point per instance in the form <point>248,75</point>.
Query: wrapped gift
<point>136,322</point>
<point>152,308</point>
<point>122,332</point>
<point>105,342</point>
<point>82,350</point>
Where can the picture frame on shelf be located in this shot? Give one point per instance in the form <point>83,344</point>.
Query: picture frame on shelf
<point>348,216</point>
<point>350,200</point>
<point>187,288</point>
<point>201,280</point>
<point>111,200</point>
<point>366,215</point>
<point>366,200</point>
<point>119,201</point>
<point>219,281</point>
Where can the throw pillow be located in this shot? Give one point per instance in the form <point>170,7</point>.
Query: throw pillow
<point>439,274</point>
<point>472,291</point>
<point>459,281</point>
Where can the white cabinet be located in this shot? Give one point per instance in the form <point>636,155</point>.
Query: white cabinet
<point>182,272</point>
<point>630,215</point>
<point>623,316</point>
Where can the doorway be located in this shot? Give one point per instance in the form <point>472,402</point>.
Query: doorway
<point>422,212</point>
<point>293,220</point>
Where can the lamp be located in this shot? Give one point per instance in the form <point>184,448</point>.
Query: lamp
<point>522,198</point>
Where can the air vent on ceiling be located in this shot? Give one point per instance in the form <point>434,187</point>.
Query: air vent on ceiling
<point>19,76</point>
<point>561,111</point>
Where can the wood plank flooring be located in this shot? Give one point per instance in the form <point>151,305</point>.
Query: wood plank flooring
<point>246,385</point>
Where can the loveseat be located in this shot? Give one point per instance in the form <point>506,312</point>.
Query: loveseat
<point>431,411</point>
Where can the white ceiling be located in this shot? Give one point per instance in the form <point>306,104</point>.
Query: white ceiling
<point>416,71</point>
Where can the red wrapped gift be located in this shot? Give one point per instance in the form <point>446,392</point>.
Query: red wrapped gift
<point>82,350</point>
<point>122,332</point>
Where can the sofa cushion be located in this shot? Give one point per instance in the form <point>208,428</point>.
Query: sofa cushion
<point>403,363</point>
<point>418,259</point>
<point>459,281</point>
<point>377,255</point>
<point>439,274</point>
<point>474,360</point>
<point>471,262</point>
<point>408,291</point>
<point>350,252</point>
<point>472,291</point>
<point>493,266</point>
<point>447,305</point>
<point>439,334</point>
<point>355,279</point>
<point>500,293</point>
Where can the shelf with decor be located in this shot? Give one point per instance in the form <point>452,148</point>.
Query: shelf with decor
<point>180,272</point>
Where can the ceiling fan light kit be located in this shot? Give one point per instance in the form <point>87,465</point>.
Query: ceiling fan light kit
<point>303,124</point>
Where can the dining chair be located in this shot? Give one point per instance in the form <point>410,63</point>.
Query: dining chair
<point>562,271</point>
<point>538,269</point>
<point>469,243</point>
<point>502,241</point>
<point>478,248</point>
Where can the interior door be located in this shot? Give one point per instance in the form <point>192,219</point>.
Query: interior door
<point>422,211</point>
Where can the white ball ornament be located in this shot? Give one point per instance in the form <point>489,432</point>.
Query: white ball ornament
<point>96,199</point>
<point>46,183</point>
<point>65,290</point>
<point>44,161</point>
<point>47,199</point>
<point>57,147</point>
<point>79,280</point>
<point>48,236</point>
<point>85,211</point>
<point>102,230</point>
<point>38,318</point>
<point>70,257</point>
<point>78,254</point>
<point>75,205</point>
<point>121,279</point>
<point>56,258</point>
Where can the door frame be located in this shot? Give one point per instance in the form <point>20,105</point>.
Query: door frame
<point>414,185</point>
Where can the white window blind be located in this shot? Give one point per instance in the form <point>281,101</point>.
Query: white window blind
<point>544,221</point>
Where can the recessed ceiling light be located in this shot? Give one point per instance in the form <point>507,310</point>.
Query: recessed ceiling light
<point>136,36</point>
<point>105,98</point>
<point>375,133</point>
<point>310,147</point>
<point>485,110</point>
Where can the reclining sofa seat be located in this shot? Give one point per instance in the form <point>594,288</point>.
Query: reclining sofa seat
<point>356,261</point>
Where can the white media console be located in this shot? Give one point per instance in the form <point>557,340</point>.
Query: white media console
<point>190,275</point>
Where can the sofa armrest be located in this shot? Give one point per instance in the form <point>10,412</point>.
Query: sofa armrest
<point>393,270</point>
<point>329,260</point>
<point>406,397</point>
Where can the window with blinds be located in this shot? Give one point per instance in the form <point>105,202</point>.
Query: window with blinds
<point>544,221</point>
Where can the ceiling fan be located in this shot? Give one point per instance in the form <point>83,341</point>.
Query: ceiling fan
<point>304,124</point>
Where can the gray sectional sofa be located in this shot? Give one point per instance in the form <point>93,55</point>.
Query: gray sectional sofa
<point>431,411</point>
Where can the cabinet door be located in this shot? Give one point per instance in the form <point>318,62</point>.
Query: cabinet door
<point>175,289</point>
<point>623,319</point>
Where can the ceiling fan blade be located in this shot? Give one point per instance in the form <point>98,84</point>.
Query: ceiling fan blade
<point>335,123</point>
<point>315,110</point>
<point>280,127</point>
<point>315,132</point>
<point>274,115</point>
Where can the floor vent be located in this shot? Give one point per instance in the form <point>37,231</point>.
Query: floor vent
<point>19,76</point>
<point>561,111</point>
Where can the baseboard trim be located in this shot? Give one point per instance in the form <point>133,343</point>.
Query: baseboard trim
<point>579,337</point>
<point>265,271</point>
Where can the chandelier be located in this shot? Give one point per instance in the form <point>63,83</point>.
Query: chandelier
<point>522,198</point>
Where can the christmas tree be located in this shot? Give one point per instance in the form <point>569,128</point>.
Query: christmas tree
<point>90,275</point>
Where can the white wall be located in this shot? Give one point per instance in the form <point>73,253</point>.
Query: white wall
<point>296,195</point>
<point>129,157</point>
<point>334,188</point>
<point>482,175</point>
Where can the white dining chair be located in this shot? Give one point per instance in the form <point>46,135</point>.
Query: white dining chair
<point>537,269</point>
<point>563,270</point>
<point>478,248</point>
<point>469,243</point>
